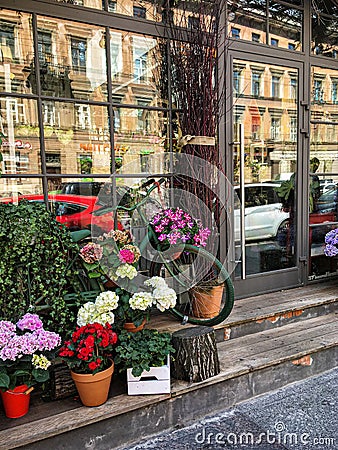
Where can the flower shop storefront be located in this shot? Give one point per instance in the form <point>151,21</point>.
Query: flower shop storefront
<point>156,156</point>
<point>92,111</point>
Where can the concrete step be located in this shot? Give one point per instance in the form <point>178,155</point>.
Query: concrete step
<point>266,312</point>
<point>250,365</point>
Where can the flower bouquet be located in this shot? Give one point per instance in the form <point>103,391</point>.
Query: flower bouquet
<point>113,256</point>
<point>25,352</point>
<point>174,226</point>
<point>331,241</point>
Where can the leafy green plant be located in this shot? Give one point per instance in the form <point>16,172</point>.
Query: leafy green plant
<point>36,265</point>
<point>142,350</point>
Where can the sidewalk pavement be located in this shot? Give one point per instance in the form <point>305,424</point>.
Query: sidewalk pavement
<point>301,416</point>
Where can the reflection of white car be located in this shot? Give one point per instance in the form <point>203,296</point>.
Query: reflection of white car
<point>264,217</point>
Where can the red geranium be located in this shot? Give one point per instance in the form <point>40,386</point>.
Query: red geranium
<point>90,348</point>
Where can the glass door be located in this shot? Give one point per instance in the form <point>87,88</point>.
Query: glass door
<point>266,132</point>
<point>323,180</point>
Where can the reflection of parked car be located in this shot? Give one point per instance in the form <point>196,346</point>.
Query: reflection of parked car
<point>328,201</point>
<point>264,217</point>
<point>74,211</point>
<point>90,188</point>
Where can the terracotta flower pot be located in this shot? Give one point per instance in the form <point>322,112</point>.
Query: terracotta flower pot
<point>16,402</point>
<point>93,389</point>
<point>129,326</point>
<point>207,303</point>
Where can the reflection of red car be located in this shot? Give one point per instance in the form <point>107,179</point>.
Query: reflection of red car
<point>75,211</point>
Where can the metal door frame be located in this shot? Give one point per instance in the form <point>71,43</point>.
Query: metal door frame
<point>290,277</point>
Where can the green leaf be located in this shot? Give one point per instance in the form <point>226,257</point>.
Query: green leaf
<point>4,380</point>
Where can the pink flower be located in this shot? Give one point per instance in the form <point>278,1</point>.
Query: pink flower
<point>126,256</point>
<point>162,237</point>
<point>91,252</point>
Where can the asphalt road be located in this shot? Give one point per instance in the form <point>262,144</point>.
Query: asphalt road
<point>301,416</point>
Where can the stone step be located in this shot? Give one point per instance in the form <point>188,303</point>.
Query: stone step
<point>250,365</point>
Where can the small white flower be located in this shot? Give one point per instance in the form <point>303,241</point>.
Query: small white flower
<point>105,317</point>
<point>86,314</point>
<point>164,298</point>
<point>156,282</point>
<point>126,271</point>
<point>40,362</point>
<point>106,301</point>
<point>141,301</point>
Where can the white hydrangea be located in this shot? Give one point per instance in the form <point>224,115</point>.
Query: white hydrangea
<point>86,313</point>
<point>156,282</point>
<point>164,298</point>
<point>126,271</point>
<point>141,301</point>
<point>105,317</point>
<point>106,301</point>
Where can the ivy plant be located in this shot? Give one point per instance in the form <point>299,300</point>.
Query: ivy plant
<point>142,350</point>
<point>36,265</point>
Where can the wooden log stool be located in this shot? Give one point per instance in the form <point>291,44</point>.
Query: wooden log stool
<point>61,383</point>
<point>196,356</point>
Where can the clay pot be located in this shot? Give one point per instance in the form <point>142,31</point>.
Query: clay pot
<point>93,389</point>
<point>207,303</point>
<point>129,326</point>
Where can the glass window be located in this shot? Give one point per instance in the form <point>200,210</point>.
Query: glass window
<point>293,129</point>
<point>235,33</point>
<point>80,129</point>
<point>194,23</point>
<point>324,33</point>
<point>73,59</point>
<point>275,128</point>
<point>112,6</point>
<point>21,144</point>
<point>318,92</point>
<point>274,42</point>
<point>255,37</point>
<point>275,86</point>
<point>139,11</point>
<point>256,84</point>
<point>334,92</point>
<point>293,88</point>
<point>291,46</point>
<point>17,70</point>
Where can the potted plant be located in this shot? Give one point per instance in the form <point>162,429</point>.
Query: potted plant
<point>89,351</point>
<point>145,356</point>
<point>25,350</point>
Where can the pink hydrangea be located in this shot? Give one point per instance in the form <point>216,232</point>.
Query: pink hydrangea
<point>126,256</point>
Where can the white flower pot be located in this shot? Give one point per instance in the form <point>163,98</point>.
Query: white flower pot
<point>155,381</point>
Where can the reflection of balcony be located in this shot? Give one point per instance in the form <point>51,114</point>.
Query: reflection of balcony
<point>54,79</point>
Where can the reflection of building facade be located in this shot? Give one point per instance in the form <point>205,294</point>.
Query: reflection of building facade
<point>86,87</point>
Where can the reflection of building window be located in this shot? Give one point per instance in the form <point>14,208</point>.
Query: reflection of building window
<point>275,86</point>
<point>139,11</point>
<point>334,92</point>
<point>255,131</point>
<point>45,47</point>
<point>275,128</point>
<point>235,33</point>
<point>291,46</point>
<point>116,54</point>
<point>256,84</point>
<point>117,120</point>
<point>78,49</point>
<point>237,81</point>
<point>293,88</point>
<point>16,111</point>
<point>143,116</point>
<point>48,113</point>
<point>274,42</point>
<point>111,6</point>
<point>255,37</point>
<point>318,92</point>
<point>83,120</point>
<point>293,129</point>
<point>7,42</point>
<point>193,23</point>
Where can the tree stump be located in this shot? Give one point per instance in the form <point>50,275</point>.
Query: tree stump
<point>196,356</point>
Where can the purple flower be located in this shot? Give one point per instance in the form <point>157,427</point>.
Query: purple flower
<point>30,322</point>
<point>172,237</point>
<point>331,240</point>
<point>7,331</point>
<point>46,340</point>
<point>159,228</point>
<point>162,237</point>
